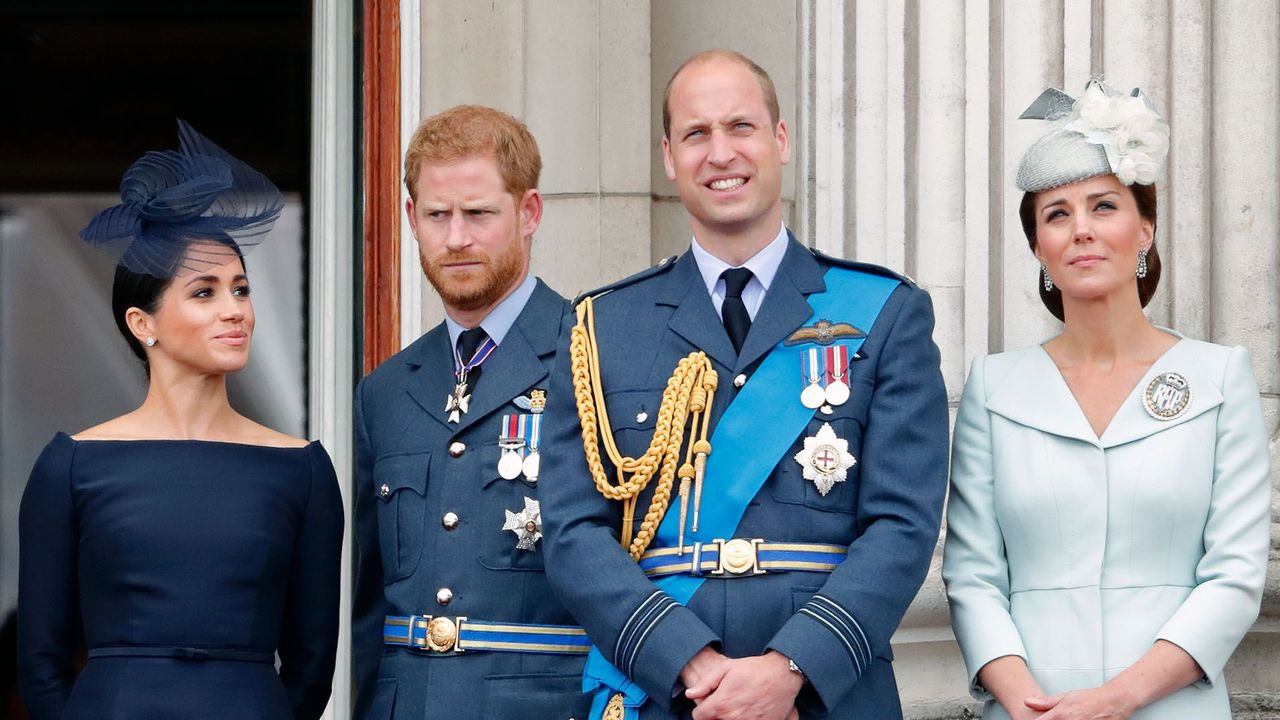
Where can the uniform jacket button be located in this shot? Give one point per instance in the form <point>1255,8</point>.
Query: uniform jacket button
<point>449,521</point>
<point>456,449</point>
<point>740,380</point>
<point>385,490</point>
<point>444,596</point>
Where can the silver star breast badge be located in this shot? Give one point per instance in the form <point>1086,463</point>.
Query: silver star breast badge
<point>825,459</point>
<point>526,524</point>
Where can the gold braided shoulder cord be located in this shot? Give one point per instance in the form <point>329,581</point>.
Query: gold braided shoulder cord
<point>686,405</point>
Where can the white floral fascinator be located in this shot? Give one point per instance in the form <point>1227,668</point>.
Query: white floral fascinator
<point>1102,132</point>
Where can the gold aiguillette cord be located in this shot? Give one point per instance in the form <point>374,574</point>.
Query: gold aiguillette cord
<point>686,404</point>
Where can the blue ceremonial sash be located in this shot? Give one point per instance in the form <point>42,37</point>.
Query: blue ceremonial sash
<point>742,457</point>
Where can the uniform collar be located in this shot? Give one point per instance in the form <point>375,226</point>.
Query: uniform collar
<point>763,265</point>
<point>501,318</point>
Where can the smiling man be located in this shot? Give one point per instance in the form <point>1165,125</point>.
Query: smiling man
<point>761,439</point>
<point>453,614</point>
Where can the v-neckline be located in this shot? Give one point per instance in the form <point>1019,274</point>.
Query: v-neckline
<point>1142,381</point>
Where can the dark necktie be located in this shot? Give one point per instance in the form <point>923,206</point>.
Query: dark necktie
<point>734,312</point>
<point>468,342</point>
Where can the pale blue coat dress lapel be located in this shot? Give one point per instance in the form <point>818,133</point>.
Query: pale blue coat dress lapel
<point>1077,552</point>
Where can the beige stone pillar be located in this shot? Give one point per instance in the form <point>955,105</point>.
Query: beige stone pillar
<point>931,93</point>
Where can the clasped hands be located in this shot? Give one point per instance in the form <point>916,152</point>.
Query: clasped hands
<point>1097,703</point>
<point>761,687</point>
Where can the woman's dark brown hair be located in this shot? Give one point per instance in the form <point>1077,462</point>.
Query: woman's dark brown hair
<point>133,289</point>
<point>1145,195</point>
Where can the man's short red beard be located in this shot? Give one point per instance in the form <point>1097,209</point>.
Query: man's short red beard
<point>496,277</point>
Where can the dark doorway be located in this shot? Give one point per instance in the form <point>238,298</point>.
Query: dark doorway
<point>88,87</point>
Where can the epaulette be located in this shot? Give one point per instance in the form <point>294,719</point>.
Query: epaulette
<point>864,267</point>
<point>663,265</point>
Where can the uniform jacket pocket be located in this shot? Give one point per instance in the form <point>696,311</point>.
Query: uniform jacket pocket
<point>400,484</point>
<point>553,697</point>
<point>498,546</point>
<point>848,422</point>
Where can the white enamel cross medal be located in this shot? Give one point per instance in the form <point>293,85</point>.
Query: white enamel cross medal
<point>457,402</point>
<point>526,524</point>
<point>460,399</point>
<point>825,459</point>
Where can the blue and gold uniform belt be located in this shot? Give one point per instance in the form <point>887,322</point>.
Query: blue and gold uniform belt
<point>741,557</point>
<point>438,634</point>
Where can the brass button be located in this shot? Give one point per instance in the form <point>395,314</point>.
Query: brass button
<point>385,490</point>
<point>739,380</point>
<point>456,449</point>
<point>444,596</point>
<point>449,521</point>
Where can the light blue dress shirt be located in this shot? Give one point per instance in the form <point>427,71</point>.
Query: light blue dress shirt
<point>501,318</point>
<point>763,266</point>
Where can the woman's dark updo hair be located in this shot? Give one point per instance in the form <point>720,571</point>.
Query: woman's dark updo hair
<point>1145,195</point>
<point>132,289</point>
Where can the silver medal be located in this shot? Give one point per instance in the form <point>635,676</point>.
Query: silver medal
<point>509,464</point>
<point>837,393</point>
<point>531,463</point>
<point>812,397</point>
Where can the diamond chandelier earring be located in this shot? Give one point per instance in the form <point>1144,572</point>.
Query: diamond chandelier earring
<point>1048,284</point>
<point>1142,263</point>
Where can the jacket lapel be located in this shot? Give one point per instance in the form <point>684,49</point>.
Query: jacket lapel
<point>1133,422</point>
<point>431,377</point>
<point>1034,394</point>
<point>785,306</point>
<point>516,365</point>
<point>695,318</point>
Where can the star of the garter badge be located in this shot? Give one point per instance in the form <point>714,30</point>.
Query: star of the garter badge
<point>825,459</point>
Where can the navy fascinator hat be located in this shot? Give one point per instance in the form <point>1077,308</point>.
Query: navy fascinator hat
<point>171,200</point>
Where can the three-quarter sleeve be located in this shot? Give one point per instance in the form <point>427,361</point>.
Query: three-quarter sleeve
<point>309,642</point>
<point>1229,577</point>
<point>974,565</point>
<point>48,608</point>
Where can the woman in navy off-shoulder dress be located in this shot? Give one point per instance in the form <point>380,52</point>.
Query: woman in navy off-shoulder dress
<point>183,544</point>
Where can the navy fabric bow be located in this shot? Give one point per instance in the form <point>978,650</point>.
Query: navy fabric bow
<point>186,210</point>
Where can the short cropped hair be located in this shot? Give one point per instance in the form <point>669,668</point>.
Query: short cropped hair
<point>470,130</point>
<point>766,83</point>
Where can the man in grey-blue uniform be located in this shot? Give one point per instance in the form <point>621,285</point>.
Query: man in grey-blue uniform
<point>750,554</point>
<point>453,614</point>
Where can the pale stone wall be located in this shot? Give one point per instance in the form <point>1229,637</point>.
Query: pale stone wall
<point>903,118</point>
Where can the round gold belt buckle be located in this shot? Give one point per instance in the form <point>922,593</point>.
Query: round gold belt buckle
<point>737,556</point>
<point>442,634</point>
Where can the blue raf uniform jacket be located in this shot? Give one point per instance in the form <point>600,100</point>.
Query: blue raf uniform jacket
<point>836,626</point>
<point>407,557</point>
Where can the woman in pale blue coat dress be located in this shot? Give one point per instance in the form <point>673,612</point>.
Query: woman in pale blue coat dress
<point>1109,514</point>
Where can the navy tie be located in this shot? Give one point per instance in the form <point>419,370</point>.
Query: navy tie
<point>468,342</point>
<point>734,312</point>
